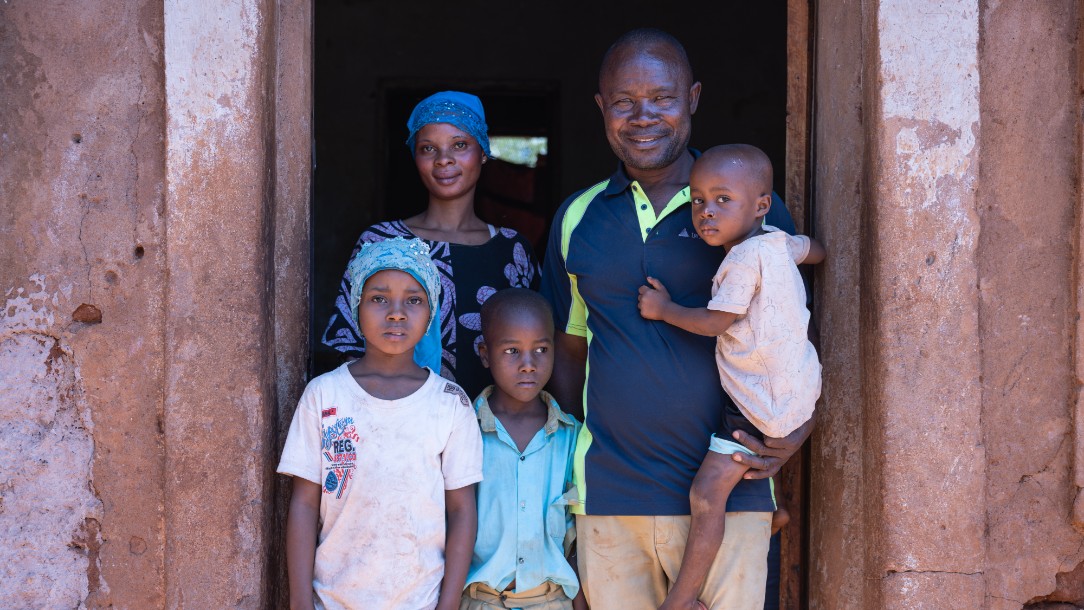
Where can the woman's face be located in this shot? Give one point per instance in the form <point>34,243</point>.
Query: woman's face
<point>449,161</point>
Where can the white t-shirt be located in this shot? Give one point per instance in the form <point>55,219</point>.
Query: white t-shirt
<point>384,466</point>
<point>766,362</point>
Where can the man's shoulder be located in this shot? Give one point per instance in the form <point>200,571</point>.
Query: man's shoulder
<point>581,198</point>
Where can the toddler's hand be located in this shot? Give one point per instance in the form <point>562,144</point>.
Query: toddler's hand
<point>653,299</point>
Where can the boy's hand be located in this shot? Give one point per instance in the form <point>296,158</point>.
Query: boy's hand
<point>653,299</point>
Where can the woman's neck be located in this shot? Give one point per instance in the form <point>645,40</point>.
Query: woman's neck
<point>450,221</point>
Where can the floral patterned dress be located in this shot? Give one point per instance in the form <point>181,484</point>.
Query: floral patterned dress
<point>468,276</point>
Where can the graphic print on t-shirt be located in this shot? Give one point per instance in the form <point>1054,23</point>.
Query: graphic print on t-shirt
<point>340,446</point>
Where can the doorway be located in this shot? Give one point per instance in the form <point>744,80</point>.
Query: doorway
<point>535,67</point>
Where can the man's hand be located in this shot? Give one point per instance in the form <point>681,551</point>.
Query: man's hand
<point>653,299</point>
<point>773,452</point>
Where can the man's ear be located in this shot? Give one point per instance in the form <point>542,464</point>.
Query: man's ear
<point>598,102</point>
<point>694,97</point>
<point>764,203</point>
<point>483,354</point>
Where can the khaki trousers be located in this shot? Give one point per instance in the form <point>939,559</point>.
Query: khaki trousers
<point>547,596</point>
<point>629,563</point>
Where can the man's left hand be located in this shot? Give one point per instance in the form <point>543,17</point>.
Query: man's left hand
<point>772,453</point>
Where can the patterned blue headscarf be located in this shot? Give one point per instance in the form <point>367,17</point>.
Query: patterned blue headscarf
<point>411,256</point>
<point>455,108</point>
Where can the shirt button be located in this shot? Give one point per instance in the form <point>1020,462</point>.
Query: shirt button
<point>647,230</point>
<point>643,206</point>
<point>521,560</point>
<point>635,188</point>
<point>522,457</point>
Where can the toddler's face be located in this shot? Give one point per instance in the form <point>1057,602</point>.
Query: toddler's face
<point>393,313</point>
<point>518,350</point>
<point>727,206</point>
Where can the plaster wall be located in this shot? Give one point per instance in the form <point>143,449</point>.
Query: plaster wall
<point>948,330</point>
<point>82,222</point>
<point>1029,198</point>
<point>154,187</point>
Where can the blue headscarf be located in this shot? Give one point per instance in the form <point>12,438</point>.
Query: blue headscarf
<point>411,256</point>
<point>455,108</point>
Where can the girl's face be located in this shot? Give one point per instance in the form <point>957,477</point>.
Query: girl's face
<point>393,313</point>
<point>449,161</point>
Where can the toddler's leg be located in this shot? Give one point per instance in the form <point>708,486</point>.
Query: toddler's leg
<point>716,478</point>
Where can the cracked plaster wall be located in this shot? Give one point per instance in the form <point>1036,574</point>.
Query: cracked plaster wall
<point>966,116</point>
<point>81,183</point>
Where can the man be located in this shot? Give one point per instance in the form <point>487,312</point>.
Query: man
<point>650,392</point>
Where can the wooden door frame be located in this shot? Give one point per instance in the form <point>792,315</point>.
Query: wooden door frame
<point>793,489</point>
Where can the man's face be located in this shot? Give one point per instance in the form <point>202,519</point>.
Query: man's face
<point>647,105</point>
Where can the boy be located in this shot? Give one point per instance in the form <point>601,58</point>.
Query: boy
<point>384,455</point>
<point>757,311</point>
<point>528,442</point>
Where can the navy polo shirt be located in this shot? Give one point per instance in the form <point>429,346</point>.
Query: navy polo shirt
<point>653,397</point>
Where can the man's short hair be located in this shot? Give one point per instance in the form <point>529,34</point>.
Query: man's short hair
<point>647,38</point>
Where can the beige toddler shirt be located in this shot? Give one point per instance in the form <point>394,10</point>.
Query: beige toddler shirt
<point>766,362</point>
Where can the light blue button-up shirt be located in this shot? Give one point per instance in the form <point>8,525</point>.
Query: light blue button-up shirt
<point>524,527</point>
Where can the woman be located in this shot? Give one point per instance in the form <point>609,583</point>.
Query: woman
<point>449,140</point>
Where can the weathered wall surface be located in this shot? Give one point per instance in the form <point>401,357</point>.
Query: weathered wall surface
<point>964,398</point>
<point>1029,194</point>
<point>154,278</point>
<point>81,221</point>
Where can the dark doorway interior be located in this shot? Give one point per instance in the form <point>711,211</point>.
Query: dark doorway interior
<point>535,66</point>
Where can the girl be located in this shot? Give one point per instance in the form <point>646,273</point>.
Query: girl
<point>384,455</point>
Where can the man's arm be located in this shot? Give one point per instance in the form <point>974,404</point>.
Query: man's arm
<point>569,372</point>
<point>462,515</point>
<point>655,304</point>
<point>773,452</point>
<point>302,523</point>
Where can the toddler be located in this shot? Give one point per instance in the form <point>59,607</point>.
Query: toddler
<point>757,312</point>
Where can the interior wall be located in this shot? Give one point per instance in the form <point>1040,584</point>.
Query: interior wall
<point>738,52</point>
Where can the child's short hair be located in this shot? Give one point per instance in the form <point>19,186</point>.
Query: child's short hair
<point>514,299</point>
<point>753,161</point>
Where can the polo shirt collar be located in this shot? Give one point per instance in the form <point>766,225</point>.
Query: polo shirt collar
<point>554,415</point>
<point>620,181</point>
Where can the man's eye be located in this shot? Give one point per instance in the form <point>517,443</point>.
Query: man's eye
<point>626,103</point>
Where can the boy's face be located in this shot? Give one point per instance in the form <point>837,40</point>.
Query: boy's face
<point>727,205</point>
<point>518,350</point>
<point>393,313</point>
<point>449,160</point>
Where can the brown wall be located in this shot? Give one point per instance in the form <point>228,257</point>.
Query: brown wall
<point>82,208</point>
<point>947,189</point>
<point>1029,196</point>
<point>154,165</point>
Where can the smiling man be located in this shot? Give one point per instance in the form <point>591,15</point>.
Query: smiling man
<point>650,391</point>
